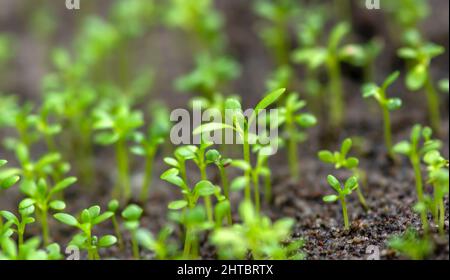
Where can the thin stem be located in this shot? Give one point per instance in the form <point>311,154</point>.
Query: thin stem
<point>387,131</point>
<point>44,225</point>
<point>293,152</point>
<point>336,104</point>
<point>419,188</point>
<point>226,190</point>
<point>147,177</point>
<point>187,244</point>
<point>20,233</point>
<point>256,192</point>
<point>117,231</point>
<point>441,216</point>
<point>433,104</point>
<point>247,172</point>
<point>207,199</point>
<point>124,186</point>
<point>135,246</point>
<point>344,213</point>
<point>268,188</point>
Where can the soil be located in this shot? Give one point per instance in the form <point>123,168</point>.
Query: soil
<point>390,189</point>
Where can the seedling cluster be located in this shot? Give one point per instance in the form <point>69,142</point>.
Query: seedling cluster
<point>100,137</point>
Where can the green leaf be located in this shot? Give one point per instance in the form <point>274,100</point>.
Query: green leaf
<point>266,102</point>
<point>330,198</point>
<point>113,205</point>
<point>334,183</point>
<point>9,182</point>
<point>403,148</point>
<point>103,217</point>
<point>177,205</point>
<point>9,216</point>
<point>351,163</point>
<point>416,78</point>
<point>306,120</point>
<point>326,156</point>
<point>107,241</point>
<point>407,53</point>
<point>238,183</point>
<point>337,35</point>
<point>3,162</point>
<point>346,146</point>
<point>57,205</point>
<point>209,127</point>
<point>370,90</point>
<point>132,212</point>
<point>63,185</point>
<point>204,188</point>
<point>394,104</point>
<point>107,138</point>
<point>94,211</point>
<point>171,162</point>
<point>391,79</point>
<point>351,183</point>
<point>241,164</point>
<point>172,177</point>
<point>66,219</point>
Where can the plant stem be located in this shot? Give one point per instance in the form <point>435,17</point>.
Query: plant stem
<point>20,233</point>
<point>387,131</point>
<point>207,199</point>
<point>293,153</point>
<point>344,213</point>
<point>268,188</point>
<point>336,104</point>
<point>135,246</point>
<point>44,225</point>
<point>419,188</point>
<point>226,190</point>
<point>147,177</point>
<point>256,192</point>
<point>441,216</point>
<point>123,187</point>
<point>247,172</point>
<point>433,104</point>
<point>117,231</point>
<point>187,244</point>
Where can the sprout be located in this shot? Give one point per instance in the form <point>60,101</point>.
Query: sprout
<point>387,105</point>
<point>161,245</point>
<point>132,215</point>
<point>26,210</point>
<point>411,245</point>
<point>350,185</point>
<point>419,76</point>
<point>85,239</point>
<point>340,160</point>
<point>7,178</point>
<point>291,120</point>
<point>415,150</point>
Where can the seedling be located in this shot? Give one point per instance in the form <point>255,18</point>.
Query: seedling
<point>132,215</point>
<point>241,125</point>
<point>113,207</point>
<point>411,245</point>
<point>258,236</point>
<point>315,57</point>
<point>26,210</point>
<point>29,250</point>
<point>340,160</point>
<point>160,245</point>
<point>44,198</point>
<point>419,76</point>
<point>438,177</point>
<point>291,120</point>
<point>350,185</point>
<point>387,105</point>
<point>148,146</point>
<point>117,127</point>
<point>85,239</point>
<point>415,151</point>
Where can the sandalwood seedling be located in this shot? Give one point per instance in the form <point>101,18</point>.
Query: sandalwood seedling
<point>86,222</point>
<point>44,196</point>
<point>117,127</point>
<point>340,160</point>
<point>131,215</point>
<point>419,145</point>
<point>257,237</point>
<point>314,57</point>
<point>387,105</point>
<point>342,192</point>
<point>411,245</point>
<point>292,121</point>
<point>242,125</point>
<point>147,146</point>
<point>419,76</point>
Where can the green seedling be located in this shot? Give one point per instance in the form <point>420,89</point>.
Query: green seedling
<point>43,196</point>
<point>258,236</point>
<point>241,126</point>
<point>209,75</point>
<point>411,245</point>
<point>292,120</point>
<point>85,239</point>
<point>26,210</point>
<point>343,191</point>
<point>438,177</point>
<point>340,160</point>
<point>113,207</point>
<point>329,56</point>
<point>29,251</point>
<point>278,15</point>
<point>132,214</point>
<point>419,76</point>
<point>7,180</point>
<point>163,248</point>
<point>387,105</point>
<point>415,150</point>
<point>148,147</point>
<point>117,127</point>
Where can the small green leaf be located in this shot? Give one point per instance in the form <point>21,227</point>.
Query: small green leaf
<point>334,183</point>
<point>107,241</point>
<point>132,212</point>
<point>238,183</point>
<point>351,183</point>
<point>351,163</point>
<point>306,120</point>
<point>403,148</point>
<point>266,102</point>
<point>416,78</point>
<point>330,198</point>
<point>57,205</point>
<point>326,156</point>
<point>9,182</point>
<point>66,219</point>
<point>346,146</point>
<point>63,185</point>
<point>177,205</point>
<point>394,104</point>
<point>204,188</point>
<point>241,164</point>
<point>407,53</point>
<point>370,90</point>
<point>113,205</point>
<point>103,217</point>
<point>209,127</point>
<point>391,79</point>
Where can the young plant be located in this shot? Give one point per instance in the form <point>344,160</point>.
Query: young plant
<point>242,125</point>
<point>117,127</point>
<point>258,236</point>
<point>43,196</point>
<point>340,160</point>
<point>415,151</point>
<point>292,120</point>
<point>161,245</point>
<point>148,146</point>
<point>419,76</point>
<point>26,210</point>
<point>342,192</point>
<point>387,105</point>
<point>132,215</point>
<point>438,177</point>
<point>113,207</point>
<point>411,245</point>
<point>329,56</point>
<point>85,239</point>
<point>29,250</point>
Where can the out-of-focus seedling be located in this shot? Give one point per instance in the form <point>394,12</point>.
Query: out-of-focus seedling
<point>340,160</point>
<point>411,245</point>
<point>343,191</point>
<point>419,76</point>
<point>86,240</point>
<point>132,214</point>
<point>387,105</point>
<point>161,245</point>
<point>26,210</point>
